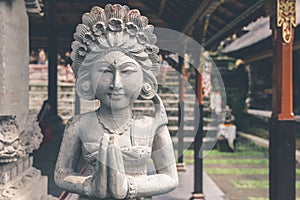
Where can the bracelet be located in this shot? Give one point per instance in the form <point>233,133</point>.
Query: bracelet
<point>86,186</point>
<point>132,193</point>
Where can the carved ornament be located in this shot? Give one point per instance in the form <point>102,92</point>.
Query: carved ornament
<point>286,18</point>
<point>14,145</point>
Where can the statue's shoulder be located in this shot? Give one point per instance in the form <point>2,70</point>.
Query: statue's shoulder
<point>148,121</point>
<point>143,119</point>
<point>81,119</point>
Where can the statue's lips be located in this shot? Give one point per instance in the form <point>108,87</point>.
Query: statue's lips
<point>115,95</point>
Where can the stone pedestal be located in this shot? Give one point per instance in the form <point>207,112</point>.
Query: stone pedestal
<point>197,196</point>
<point>21,181</point>
<point>14,40</point>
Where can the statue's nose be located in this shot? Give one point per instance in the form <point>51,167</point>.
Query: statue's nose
<point>117,81</point>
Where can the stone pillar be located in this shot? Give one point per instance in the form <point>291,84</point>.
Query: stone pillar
<point>19,134</point>
<point>14,34</point>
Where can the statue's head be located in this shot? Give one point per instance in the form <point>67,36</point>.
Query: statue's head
<point>115,45</point>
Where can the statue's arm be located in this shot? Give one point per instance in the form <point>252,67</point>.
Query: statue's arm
<point>65,176</point>
<point>166,178</point>
<point>69,153</point>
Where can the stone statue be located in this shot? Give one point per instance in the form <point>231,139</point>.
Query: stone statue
<point>115,61</point>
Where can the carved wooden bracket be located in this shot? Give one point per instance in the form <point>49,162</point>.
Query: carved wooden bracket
<point>286,18</point>
<point>34,7</point>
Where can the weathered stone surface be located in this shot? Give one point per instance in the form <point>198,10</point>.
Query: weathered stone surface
<point>28,185</point>
<point>14,37</point>
<point>11,170</point>
<point>14,145</point>
<point>20,181</point>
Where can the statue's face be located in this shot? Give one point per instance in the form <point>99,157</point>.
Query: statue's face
<point>117,80</point>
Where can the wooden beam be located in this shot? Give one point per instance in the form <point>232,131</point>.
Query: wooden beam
<point>239,4</point>
<point>198,193</point>
<point>175,10</point>
<point>226,12</point>
<point>213,26</point>
<point>161,7</point>
<point>52,58</point>
<point>199,13</point>
<point>41,30</point>
<point>267,54</point>
<point>282,65</point>
<point>217,19</point>
<point>213,5</point>
<point>95,2</point>
<point>149,13</point>
<point>237,21</point>
<point>180,147</point>
<point>259,56</point>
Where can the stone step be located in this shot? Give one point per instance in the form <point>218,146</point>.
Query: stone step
<point>167,108</point>
<point>45,92</point>
<point>188,118</point>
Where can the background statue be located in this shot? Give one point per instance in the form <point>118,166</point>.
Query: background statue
<point>115,61</point>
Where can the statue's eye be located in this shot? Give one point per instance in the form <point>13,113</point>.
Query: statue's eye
<point>128,68</point>
<point>128,71</point>
<point>107,71</point>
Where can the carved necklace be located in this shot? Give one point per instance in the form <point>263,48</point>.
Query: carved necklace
<point>119,131</point>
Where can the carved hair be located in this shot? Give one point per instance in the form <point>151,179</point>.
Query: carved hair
<point>114,28</point>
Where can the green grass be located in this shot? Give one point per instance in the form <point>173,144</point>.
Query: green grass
<point>250,184</point>
<point>237,161</point>
<point>235,154</point>
<point>243,151</point>
<point>255,184</point>
<point>260,171</point>
<point>189,161</point>
<point>262,198</point>
<point>243,148</point>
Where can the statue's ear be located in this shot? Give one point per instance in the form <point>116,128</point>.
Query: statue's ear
<point>150,87</point>
<point>84,87</point>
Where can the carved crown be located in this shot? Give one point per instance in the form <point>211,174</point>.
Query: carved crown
<point>113,28</point>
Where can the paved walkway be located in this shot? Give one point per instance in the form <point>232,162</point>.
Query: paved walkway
<point>185,187</point>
